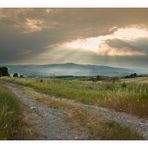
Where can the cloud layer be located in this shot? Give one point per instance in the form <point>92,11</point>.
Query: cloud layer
<point>116,37</point>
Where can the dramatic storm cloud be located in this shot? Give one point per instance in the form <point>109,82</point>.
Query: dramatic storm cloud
<point>115,37</point>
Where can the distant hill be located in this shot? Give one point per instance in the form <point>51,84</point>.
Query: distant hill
<point>67,69</point>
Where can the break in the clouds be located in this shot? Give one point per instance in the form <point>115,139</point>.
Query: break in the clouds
<point>115,37</point>
<point>115,44</point>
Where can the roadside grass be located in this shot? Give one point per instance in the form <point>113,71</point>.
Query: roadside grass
<point>12,126</point>
<point>96,126</point>
<point>50,101</point>
<point>130,97</point>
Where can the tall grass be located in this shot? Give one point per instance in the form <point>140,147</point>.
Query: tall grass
<point>129,97</point>
<point>12,125</point>
<point>9,115</point>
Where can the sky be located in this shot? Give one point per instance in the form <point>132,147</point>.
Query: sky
<point>101,36</point>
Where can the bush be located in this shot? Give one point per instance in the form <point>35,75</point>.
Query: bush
<point>15,75</point>
<point>134,75</point>
<point>21,76</point>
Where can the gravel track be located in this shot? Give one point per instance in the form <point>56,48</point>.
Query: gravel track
<point>51,121</point>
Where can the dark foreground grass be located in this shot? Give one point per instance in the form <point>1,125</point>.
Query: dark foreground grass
<point>12,126</point>
<point>130,97</point>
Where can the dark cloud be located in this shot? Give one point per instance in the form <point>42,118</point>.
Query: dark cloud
<point>136,45</point>
<point>27,33</point>
<point>141,44</point>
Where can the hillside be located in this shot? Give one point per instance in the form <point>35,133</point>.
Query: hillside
<point>67,69</point>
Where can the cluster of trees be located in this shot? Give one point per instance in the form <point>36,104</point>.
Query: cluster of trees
<point>4,72</point>
<point>134,75</point>
<point>16,75</point>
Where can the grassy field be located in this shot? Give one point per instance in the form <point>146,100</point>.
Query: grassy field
<point>12,125</point>
<point>95,125</point>
<point>130,95</point>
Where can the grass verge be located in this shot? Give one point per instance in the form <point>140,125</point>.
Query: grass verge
<point>99,128</point>
<point>12,125</point>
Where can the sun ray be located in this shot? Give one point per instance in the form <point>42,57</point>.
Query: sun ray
<point>99,46</point>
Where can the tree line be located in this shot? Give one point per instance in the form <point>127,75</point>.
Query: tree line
<point>4,72</point>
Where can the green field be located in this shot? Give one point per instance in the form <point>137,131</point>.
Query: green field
<point>128,95</point>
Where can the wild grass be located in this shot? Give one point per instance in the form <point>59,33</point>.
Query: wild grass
<point>98,127</point>
<point>12,126</point>
<point>9,120</point>
<point>130,97</point>
<point>94,125</point>
<point>50,101</point>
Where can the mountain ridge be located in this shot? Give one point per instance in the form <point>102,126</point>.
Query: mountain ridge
<point>68,69</point>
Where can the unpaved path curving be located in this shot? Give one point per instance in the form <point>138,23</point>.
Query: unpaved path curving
<point>51,121</point>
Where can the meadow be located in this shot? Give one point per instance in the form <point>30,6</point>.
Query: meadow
<point>129,95</point>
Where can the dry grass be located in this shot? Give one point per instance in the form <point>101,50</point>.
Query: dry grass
<point>28,130</point>
<point>95,125</point>
<point>137,80</point>
<point>50,101</point>
<point>98,127</point>
<point>130,97</point>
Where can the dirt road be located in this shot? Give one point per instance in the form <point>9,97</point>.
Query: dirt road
<point>51,123</point>
<point>48,122</point>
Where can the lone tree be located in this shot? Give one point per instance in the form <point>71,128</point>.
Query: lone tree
<point>4,71</point>
<point>15,75</point>
<point>98,77</point>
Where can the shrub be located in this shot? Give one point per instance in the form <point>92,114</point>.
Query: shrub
<point>15,75</point>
